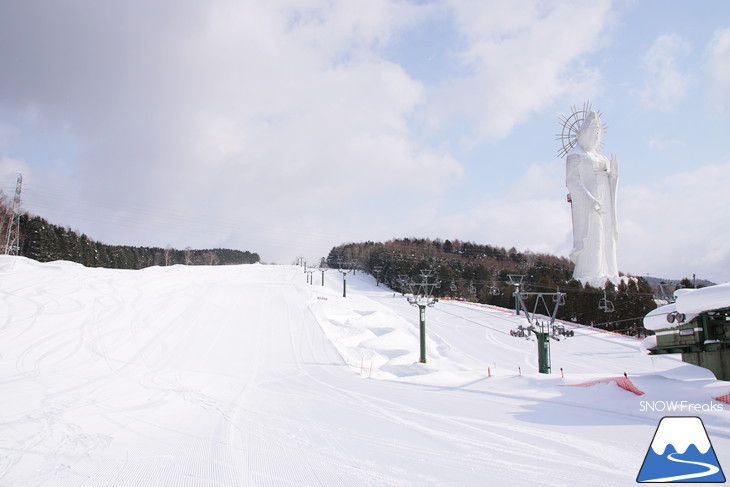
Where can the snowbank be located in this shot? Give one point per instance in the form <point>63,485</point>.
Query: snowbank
<point>704,299</point>
<point>690,303</point>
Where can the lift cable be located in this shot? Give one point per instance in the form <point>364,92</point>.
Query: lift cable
<point>475,322</point>
<point>598,331</point>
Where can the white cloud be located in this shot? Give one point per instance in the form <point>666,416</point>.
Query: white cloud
<point>518,58</point>
<point>305,102</point>
<point>9,170</point>
<point>672,227</point>
<point>717,65</point>
<point>7,134</point>
<point>270,125</point>
<point>222,110</point>
<point>531,214</point>
<point>660,143</point>
<point>665,83</point>
<point>676,225</point>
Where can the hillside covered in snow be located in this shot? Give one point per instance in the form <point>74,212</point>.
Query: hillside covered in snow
<point>248,375</point>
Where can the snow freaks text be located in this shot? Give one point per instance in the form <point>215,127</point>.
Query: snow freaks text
<point>679,406</point>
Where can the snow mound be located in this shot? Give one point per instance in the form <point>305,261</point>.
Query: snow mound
<point>369,336</point>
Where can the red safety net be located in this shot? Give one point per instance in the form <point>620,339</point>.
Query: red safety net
<point>725,398</point>
<point>622,382</point>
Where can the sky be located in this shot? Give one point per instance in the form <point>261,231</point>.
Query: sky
<point>289,127</point>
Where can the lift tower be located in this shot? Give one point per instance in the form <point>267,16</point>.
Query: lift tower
<point>542,329</point>
<point>421,296</point>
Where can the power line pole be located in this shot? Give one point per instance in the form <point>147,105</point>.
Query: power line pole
<point>12,240</point>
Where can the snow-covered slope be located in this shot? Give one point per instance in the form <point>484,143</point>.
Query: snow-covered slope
<point>247,375</point>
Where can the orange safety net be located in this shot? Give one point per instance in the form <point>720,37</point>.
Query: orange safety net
<point>623,382</point>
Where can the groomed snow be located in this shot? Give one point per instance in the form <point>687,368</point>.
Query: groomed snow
<point>247,375</point>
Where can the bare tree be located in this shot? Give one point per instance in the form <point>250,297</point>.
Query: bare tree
<point>167,252</point>
<point>210,258</point>
<point>4,215</point>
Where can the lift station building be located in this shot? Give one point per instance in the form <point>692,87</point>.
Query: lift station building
<point>697,325</point>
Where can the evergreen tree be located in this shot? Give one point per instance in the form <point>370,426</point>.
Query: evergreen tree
<point>44,242</point>
<point>487,268</point>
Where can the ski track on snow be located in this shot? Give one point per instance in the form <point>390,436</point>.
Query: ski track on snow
<point>225,377</point>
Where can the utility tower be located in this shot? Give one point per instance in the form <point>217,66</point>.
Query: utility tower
<point>542,330</point>
<point>12,239</point>
<point>344,272</point>
<point>516,281</point>
<point>422,298</point>
<point>377,270</point>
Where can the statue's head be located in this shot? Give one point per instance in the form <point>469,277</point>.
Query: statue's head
<point>590,132</point>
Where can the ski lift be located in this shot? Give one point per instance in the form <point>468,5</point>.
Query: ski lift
<point>605,305</point>
<point>561,331</point>
<point>555,333</point>
<point>515,279</point>
<point>472,289</point>
<point>521,332</point>
<point>678,317</point>
<point>559,297</point>
<point>668,297</point>
<point>452,287</point>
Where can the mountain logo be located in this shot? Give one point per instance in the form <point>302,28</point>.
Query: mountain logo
<point>681,452</point>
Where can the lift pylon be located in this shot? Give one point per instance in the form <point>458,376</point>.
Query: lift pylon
<point>421,296</point>
<point>542,328</point>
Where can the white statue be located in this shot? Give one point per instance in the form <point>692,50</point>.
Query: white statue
<point>591,180</point>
